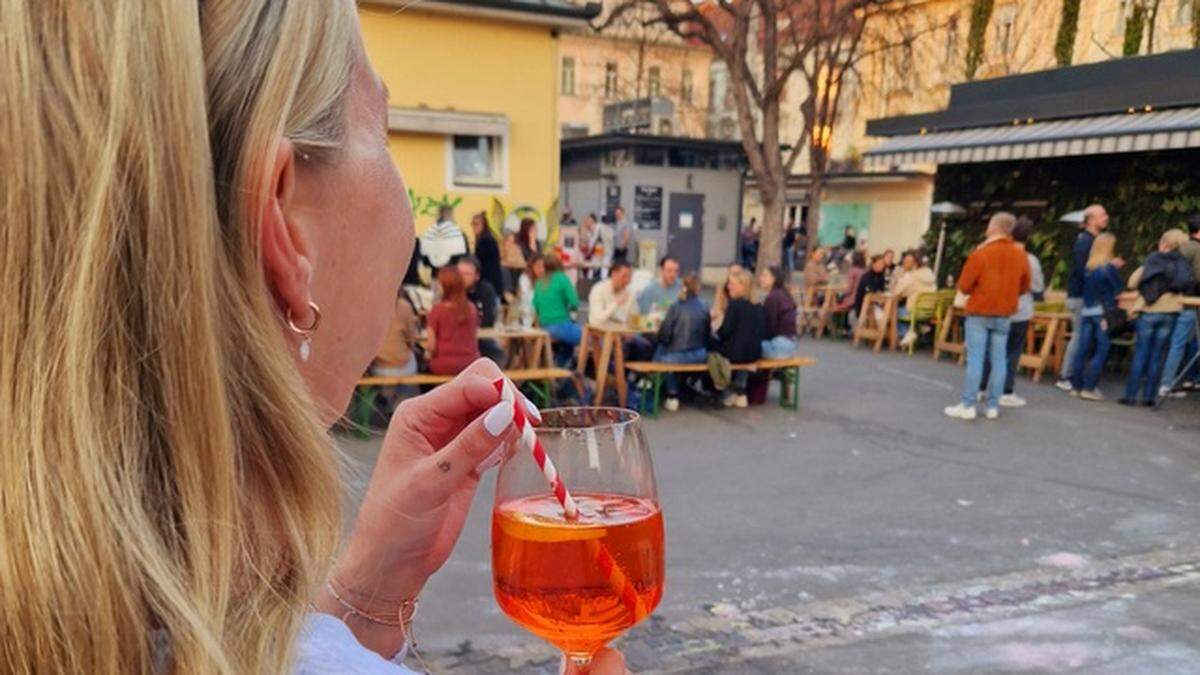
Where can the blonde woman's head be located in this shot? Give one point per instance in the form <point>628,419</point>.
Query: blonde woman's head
<point>1171,240</point>
<point>739,284</point>
<point>177,180</point>
<point>1103,251</point>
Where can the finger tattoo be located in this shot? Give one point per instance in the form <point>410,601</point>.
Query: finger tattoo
<point>444,466</point>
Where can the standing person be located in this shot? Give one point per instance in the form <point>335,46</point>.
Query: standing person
<point>527,238</point>
<point>1160,283</point>
<point>1100,287</point>
<point>683,336</point>
<point>741,335</point>
<point>1019,328</point>
<point>850,240</point>
<point>995,276</point>
<point>487,252</point>
<point>443,241</point>
<point>624,238</point>
<point>487,303</point>
<point>750,244</point>
<point>780,313</point>
<point>1095,221</point>
<point>453,325</point>
<point>789,247</point>
<point>661,293</point>
<point>554,299</point>
<point>1183,335</point>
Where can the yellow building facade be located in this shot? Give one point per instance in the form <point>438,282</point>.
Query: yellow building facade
<point>473,99</point>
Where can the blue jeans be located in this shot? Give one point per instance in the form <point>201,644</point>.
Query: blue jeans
<point>1183,347</point>
<point>671,382</point>
<point>1018,331</point>
<point>1153,334</point>
<point>1090,353</point>
<point>987,340</point>
<point>567,332</point>
<point>779,347</point>
<point>1075,307</point>
<point>902,316</point>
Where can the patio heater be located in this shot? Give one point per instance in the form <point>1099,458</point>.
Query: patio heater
<point>944,211</point>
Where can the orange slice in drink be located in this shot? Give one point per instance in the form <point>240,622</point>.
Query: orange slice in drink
<point>530,529</point>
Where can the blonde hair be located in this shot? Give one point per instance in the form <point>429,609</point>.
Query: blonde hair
<point>1173,239</point>
<point>1102,251</point>
<point>746,280</point>
<point>170,497</point>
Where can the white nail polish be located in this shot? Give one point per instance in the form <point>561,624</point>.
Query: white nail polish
<point>498,418</point>
<point>534,413</point>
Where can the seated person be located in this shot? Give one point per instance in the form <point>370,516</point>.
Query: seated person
<point>858,267</point>
<point>611,300</point>
<point>453,326</point>
<point>554,299</point>
<point>483,295</point>
<point>397,355</point>
<point>683,336</point>
<point>780,311</point>
<point>815,273</point>
<point>914,278</point>
<point>874,280</point>
<point>663,291</point>
<point>741,335</point>
<point>717,313</point>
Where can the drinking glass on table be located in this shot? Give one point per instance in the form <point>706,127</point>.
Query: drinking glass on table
<point>579,583</point>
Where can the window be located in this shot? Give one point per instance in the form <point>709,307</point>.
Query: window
<point>1183,12</point>
<point>718,79</point>
<point>951,41</point>
<point>685,87</point>
<point>476,161</point>
<point>568,76</point>
<point>610,80</point>
<point>653,82</point>
<point>1005,18</point>
<point>664,127</point>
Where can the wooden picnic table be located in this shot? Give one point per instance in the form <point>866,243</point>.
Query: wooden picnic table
<point>1037,358</point>
<point>603,344</point>
<point>527,347</point>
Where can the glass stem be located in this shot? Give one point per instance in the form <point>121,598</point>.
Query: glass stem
<point>582,661</point>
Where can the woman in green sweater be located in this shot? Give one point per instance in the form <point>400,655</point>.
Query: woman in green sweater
<point>554,299</point>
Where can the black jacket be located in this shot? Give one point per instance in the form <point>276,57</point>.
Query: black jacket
<point>488,252</point>
<point>1165,273</point>
<point>686,327</point>
<point>743,331</point>
<point>486,302</point>
<point>872,282</point>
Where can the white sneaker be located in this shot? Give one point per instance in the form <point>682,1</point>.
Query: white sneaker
<point>729,401</point>
<point>1091,395</point>
<point>1167,392</point>
<point>741,401</point>
<point>961,412</point>
<point>992,413</point>
<point>1065,385</point>
<point>1012,401</point>
<point>908,339</point>
<point>671,404</point>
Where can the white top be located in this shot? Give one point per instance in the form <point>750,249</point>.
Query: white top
<point>1037,284</point>
<point>442,241</point>
<point>603,305</point>
<point>326,645</point>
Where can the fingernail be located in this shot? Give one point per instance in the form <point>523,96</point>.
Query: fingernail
<point>534,413</point>
<point>492,460</point>
<point>498,418</point>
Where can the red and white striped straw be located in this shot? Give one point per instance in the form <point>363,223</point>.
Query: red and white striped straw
<point>531,442</point>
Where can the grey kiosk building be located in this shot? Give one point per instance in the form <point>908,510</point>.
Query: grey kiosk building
<point>683,194</point>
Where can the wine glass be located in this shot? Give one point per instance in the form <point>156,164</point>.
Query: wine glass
<point>579,583</point>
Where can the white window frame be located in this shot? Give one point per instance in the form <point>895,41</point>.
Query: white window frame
<point>501,186</point>
<point>612,87</point>
<point>564,72</point>
<point>654,82</point>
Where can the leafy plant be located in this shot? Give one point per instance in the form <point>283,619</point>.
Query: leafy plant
<point>423,205</point>
<point>1064,45</point>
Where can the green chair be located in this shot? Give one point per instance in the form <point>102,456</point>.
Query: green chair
<point>925,311</point>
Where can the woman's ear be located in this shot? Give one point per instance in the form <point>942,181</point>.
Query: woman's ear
<point>287,260</point>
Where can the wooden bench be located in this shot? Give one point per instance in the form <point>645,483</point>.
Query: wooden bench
<point>540,380</point>
<point>788,370</point>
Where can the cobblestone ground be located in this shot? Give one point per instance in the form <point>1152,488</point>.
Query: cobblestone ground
<point>868,534</point>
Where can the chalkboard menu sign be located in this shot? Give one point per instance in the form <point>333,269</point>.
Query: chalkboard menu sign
<point>647,207</point>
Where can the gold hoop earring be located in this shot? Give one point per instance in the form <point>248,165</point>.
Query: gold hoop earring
<point>305,333</point>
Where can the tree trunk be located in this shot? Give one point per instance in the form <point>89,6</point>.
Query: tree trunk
<point>770,239</point>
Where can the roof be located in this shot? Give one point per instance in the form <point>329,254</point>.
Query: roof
<point>624,140</point>
<point>1145,83</point>
<point>554,12</point>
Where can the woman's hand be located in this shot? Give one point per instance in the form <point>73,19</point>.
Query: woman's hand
<point>607,661</point>
<point>436,447</point>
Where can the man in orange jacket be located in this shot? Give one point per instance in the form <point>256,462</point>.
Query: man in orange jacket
<point>995,276</point>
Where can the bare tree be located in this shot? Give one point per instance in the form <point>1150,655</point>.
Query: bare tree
<point>763,44</point>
